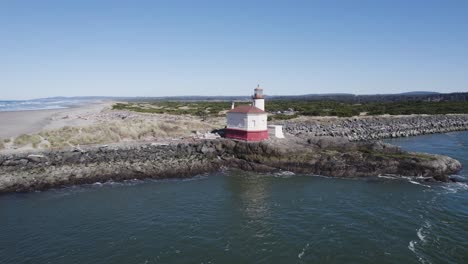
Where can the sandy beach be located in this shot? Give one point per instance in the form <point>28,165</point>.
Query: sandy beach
<point>95,123</point>
<point>15,123</point>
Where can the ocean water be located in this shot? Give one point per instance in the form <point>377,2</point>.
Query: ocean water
<point>238,217</point>
<point>41,104</point>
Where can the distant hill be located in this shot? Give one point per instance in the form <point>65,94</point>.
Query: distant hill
<point>426,96</point>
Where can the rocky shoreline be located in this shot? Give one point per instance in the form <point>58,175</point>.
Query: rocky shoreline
<point>21,172</point>
<point>381,127</point>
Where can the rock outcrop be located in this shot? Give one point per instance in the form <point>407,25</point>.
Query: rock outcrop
<point>322,156</point>
<point>378,127</point>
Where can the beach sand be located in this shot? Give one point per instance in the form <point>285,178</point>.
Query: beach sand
<point>16,123</point>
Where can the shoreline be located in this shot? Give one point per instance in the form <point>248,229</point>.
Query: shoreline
<point>15,123</point>
<point>42,170</point>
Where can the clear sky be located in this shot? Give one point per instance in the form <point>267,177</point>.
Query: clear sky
<point>161,48</point>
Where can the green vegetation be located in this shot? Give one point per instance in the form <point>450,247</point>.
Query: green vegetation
<point>7,140</point>
<point>398,155</point>
<point>24,140</point>
<point>330,108</point>
<point>2,146</point>
<point>281,109</point>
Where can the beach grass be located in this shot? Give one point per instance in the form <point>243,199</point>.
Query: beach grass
<point>117,131</point>
<point>26,139</point>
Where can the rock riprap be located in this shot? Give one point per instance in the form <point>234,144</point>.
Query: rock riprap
<point>379,127</point>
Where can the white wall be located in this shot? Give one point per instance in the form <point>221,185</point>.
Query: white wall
<point>257,122</point>
<point>251,122</point>
<point>237,121</point>
<point>275,131</point>
<point>260,103</point>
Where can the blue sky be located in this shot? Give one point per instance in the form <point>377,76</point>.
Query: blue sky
<point>161,48</point>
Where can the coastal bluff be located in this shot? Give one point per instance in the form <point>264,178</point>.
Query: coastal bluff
<point>335,157</point>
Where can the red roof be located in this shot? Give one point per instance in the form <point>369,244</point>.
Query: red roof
<point>247,109</point>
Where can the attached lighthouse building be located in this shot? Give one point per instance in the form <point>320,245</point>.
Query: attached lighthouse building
<point>248,122</point>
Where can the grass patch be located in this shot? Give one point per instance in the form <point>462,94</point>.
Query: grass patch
<point>25,139</point>
<point>398,155</point>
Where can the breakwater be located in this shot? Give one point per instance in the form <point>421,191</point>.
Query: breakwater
<point>370,128</point>
<point>321,156</point>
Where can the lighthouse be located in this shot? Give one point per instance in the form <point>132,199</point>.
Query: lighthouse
<point>258,99</point>
<point>248,122</point>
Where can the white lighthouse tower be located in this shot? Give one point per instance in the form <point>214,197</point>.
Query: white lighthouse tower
<point>258,98</point>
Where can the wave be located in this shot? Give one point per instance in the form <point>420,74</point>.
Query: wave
<point>455,187</point>
<point>40,104</point>
<point>412,180</point>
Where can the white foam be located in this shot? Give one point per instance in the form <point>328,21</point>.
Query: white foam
<point>388,177</point>
<point>421,235</point>
<point>418,183</point>
<point>411,245</point>
<point>301,254</point>
<point>423,231</point>
<point>284,174</point>
<point>455,187</point>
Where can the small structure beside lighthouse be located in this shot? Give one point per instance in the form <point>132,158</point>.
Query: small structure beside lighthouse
<point>248,122</point>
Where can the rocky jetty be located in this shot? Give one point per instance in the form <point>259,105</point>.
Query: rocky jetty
<point>322,156</point>
<point>370,128</point>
